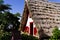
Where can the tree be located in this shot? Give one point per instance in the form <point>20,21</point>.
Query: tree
<point>1,2</point>
<point>8,22</point>
<point>9,18</point>
<point>4,7</point>
<point>17,14</point>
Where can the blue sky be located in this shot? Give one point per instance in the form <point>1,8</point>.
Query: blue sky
<point>18,5</point>
<point>58,1</point>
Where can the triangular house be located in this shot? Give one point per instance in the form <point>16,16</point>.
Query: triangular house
<point>27,22</point>
<point>44,15</point>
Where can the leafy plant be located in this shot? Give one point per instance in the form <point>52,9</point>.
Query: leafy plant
<point>56,34</point>
<point>28,37</point>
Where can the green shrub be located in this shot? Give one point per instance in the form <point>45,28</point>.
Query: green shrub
<point>28,37</point>
<point>56,34</point>
<point>5,36</point>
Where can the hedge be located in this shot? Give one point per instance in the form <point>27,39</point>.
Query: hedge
<point>28,37</point>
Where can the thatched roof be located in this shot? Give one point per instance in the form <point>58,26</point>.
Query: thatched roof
<point>44,14</point>
<point>24,17</point>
